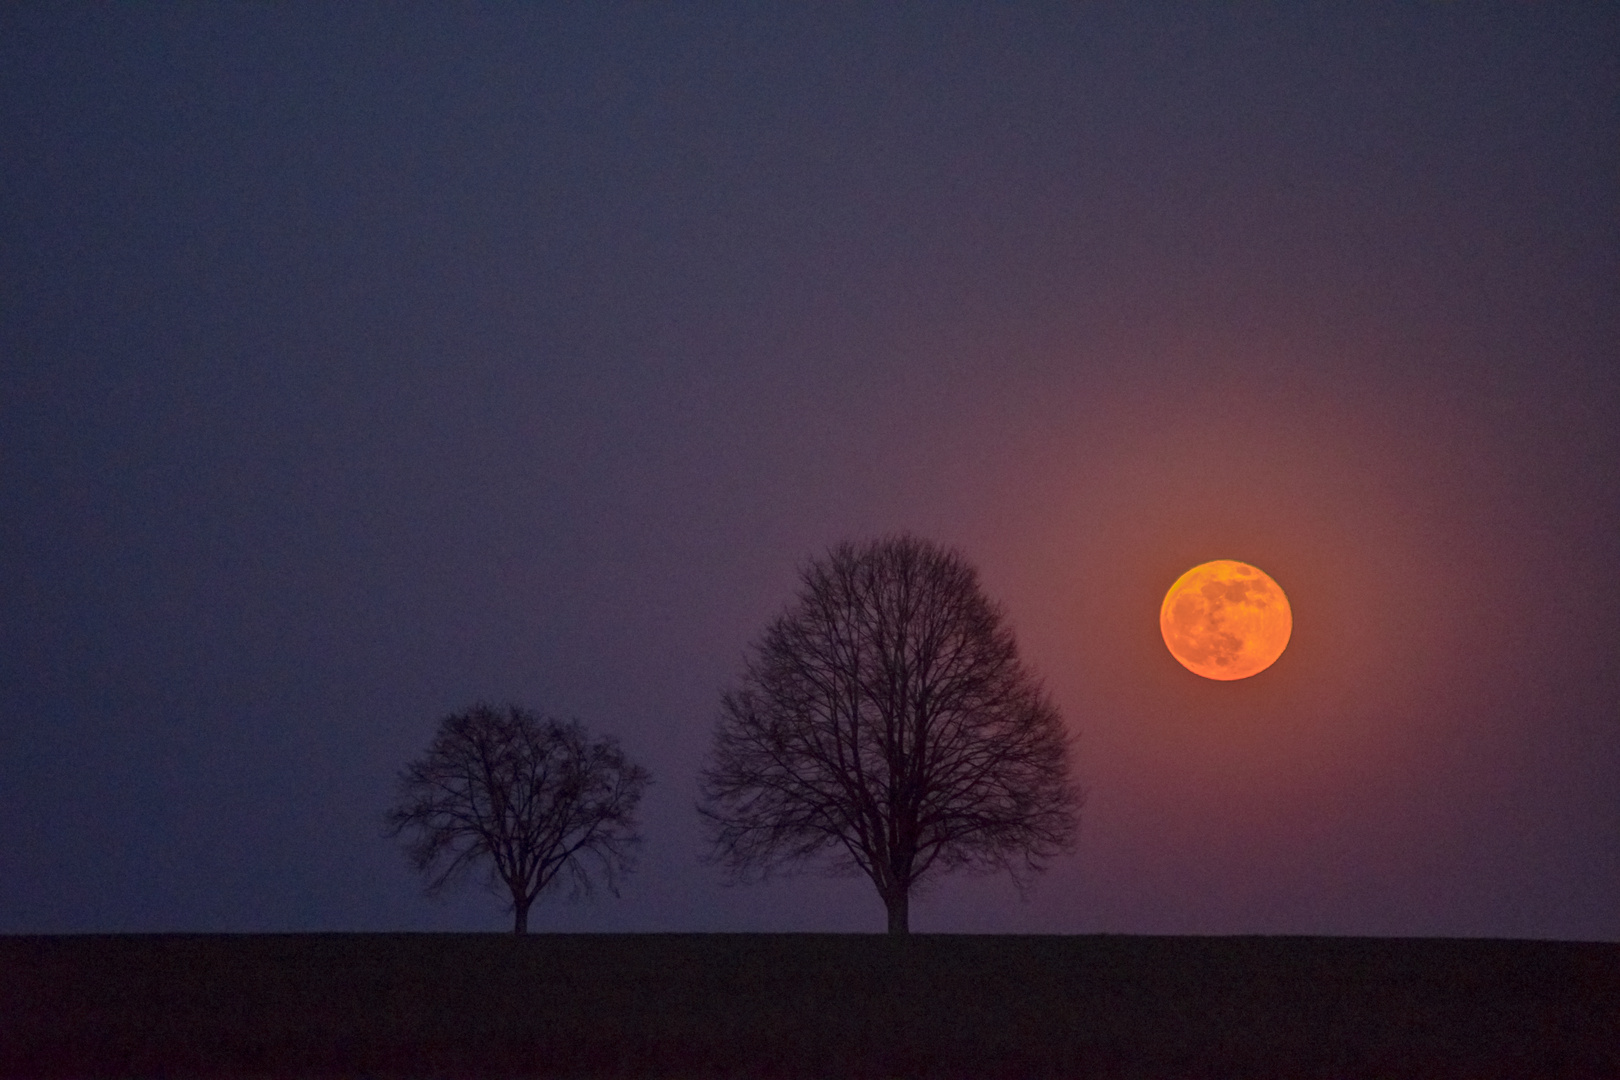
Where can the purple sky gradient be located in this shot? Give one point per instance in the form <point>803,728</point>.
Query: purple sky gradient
<point>358,363</point>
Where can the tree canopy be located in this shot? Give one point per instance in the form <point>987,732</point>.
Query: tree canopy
<point>886,721</point>
<point>533,798</point>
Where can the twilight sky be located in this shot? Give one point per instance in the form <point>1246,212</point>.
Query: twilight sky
<point>359,363</point>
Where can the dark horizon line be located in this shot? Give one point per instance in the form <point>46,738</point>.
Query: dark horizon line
<point>878,934</point>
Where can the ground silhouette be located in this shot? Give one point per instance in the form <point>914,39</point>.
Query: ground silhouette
<point>805,1005</point>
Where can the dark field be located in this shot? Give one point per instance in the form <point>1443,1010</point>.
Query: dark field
<point>700,1005</point>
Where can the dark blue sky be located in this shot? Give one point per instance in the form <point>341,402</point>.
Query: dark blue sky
<point>358,363</point>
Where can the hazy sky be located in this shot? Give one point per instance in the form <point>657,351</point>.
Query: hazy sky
<point>359,363</point>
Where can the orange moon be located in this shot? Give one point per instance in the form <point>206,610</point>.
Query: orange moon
<point>1225,620</point>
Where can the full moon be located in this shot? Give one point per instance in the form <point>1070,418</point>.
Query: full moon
<point>1225,620</point>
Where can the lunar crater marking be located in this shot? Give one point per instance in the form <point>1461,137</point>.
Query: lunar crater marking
<point>1225,620</point>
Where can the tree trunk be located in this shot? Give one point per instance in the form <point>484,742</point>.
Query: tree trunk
<point>899,905</point>
<point>520,909</point>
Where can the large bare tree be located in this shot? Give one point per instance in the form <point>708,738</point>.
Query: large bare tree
<point>886,720</point>
<point>535,798</point>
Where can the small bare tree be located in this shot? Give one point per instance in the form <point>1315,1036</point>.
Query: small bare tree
<point>533,796</point>
<point>886,719</point>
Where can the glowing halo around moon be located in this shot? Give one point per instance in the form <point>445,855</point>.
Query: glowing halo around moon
<point>1225,620</point>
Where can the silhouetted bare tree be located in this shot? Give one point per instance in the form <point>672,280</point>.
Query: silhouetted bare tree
<point>535,797</point>
<point>886,719</point>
